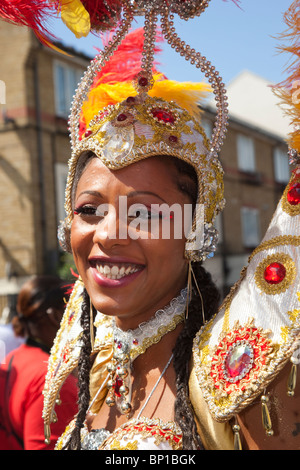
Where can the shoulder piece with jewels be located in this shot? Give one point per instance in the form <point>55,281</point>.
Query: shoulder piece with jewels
<point>257,330</point>
<point>124,111</point>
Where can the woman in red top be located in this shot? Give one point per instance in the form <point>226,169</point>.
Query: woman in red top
<point>22,376</point>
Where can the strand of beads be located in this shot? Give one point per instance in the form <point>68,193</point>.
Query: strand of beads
<point>95,66</point>
<point>195,58</point>
<point>144,81</point>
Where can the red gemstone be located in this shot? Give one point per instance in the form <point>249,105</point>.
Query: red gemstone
<point>143,81</point>
<point>293,195</point>
<point>116,386</point>
<point>121,117</point>
<point>173,139</point>
<point>163,115</point>
<point>274,273</point>
<point>130,100</point>
<point>88,133</point>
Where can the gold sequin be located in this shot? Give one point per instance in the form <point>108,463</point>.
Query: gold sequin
<point>116,445</point>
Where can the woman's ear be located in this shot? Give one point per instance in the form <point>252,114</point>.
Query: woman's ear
<point>54,315</point>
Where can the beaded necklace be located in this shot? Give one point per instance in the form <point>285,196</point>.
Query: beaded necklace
<point>128,345</point>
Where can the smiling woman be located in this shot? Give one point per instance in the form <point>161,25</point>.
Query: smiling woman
<point>159,366</point>
<point>138,235</point>
<point>152,272</point>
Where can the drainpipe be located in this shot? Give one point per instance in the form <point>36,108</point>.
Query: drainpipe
<point>41,173</point>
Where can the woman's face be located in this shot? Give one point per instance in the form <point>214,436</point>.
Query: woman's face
<point>129,271</point>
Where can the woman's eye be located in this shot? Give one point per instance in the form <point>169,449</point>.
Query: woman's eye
<point>85,210</point>
<point>135,212</point>
<point>142,212</point>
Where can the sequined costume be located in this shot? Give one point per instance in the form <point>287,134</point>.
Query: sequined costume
<point>256,332</point>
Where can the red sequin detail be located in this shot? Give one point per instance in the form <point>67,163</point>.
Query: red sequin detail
<point>293,195</point>
<point>116,386</point>
<point>163,115</point>
<point>260,348</point>
<point>274,273</point>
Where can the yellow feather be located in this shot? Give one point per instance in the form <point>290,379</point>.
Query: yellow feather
<point>104,95</point>
<point>75,17</point>
<point>188,95</point>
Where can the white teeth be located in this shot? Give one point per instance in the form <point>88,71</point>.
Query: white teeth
<point>115,272</point>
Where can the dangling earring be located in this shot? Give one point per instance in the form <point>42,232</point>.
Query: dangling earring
<point>189,290</point>
<point>92,325</point>
<point>191,275</point>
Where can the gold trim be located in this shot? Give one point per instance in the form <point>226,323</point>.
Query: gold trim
<point>281,240</point>
<point>273,289</point>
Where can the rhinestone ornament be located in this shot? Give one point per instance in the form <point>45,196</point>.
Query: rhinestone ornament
<point>238,361</point>
<point>293,195</point>
<point>274,273</point>
<point>162,115</point>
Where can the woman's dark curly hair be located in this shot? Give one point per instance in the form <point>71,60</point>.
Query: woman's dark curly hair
<point>184,416</point>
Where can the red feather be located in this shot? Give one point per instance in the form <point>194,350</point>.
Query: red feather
<point>32,14</point>
<point>125,64</point>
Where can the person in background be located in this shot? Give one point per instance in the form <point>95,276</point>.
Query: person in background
<point>9,340</point>
<point>40,307</point>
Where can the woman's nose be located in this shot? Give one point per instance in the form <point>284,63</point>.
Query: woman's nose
<point>112,227</point>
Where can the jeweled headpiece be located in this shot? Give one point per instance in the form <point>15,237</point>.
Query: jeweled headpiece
<point>144,122</point>
<point>148,119</point>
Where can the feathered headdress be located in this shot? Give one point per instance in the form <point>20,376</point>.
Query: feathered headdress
<point>115,81</point>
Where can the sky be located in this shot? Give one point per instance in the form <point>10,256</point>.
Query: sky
<point>233,38</point>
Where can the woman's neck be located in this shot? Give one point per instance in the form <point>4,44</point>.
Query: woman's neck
<point>174,304</point>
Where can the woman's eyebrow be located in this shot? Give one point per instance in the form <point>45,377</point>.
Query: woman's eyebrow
<point>148,193</point>
<point>91,193</point>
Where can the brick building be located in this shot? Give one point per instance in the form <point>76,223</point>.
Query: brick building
<point>34,150</point>
<point>254,158</point>
<point>37,85</point>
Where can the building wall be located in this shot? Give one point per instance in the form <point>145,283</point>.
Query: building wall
<point>257,191</point>
<point>33,140</point>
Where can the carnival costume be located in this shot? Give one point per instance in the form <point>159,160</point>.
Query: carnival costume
<point>237,354</point>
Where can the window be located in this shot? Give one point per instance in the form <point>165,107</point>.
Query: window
<point>61,174</point>
<point>250,227</point>
<point>281,166</point>
<point>66,81</point>
<point>245,153</point>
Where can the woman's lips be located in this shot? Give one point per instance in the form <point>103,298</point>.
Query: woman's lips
<point>114,274</point>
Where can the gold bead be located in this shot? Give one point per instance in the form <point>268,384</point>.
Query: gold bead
<point>126,408</point>
<point>110,401</point>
